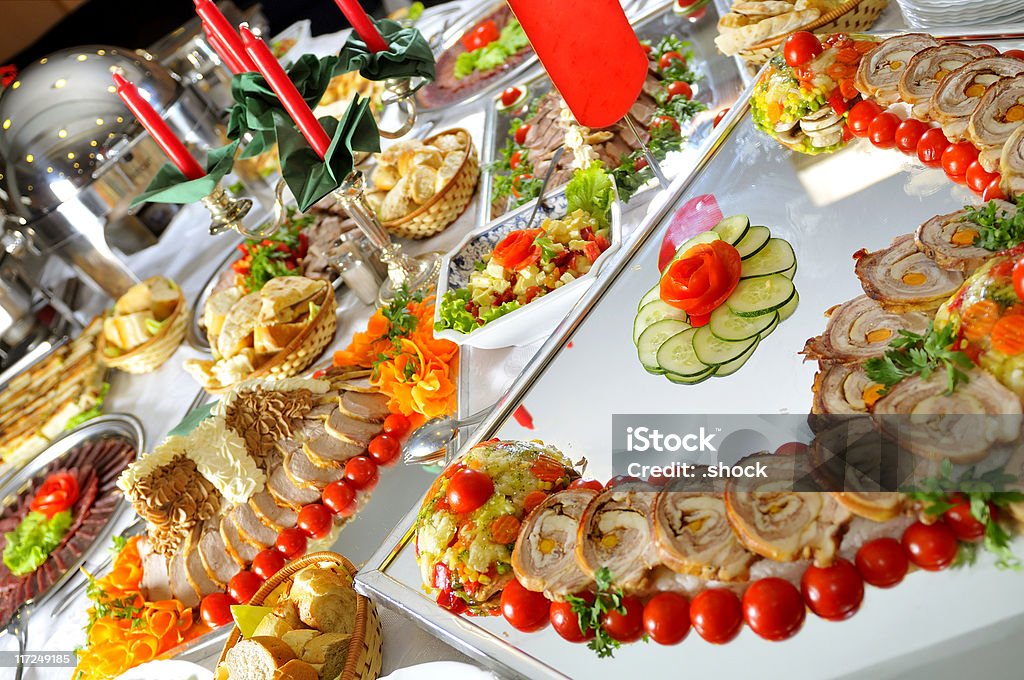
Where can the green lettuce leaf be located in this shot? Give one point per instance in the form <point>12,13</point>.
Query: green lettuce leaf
<point>591,190</point>
<point>31,543</point>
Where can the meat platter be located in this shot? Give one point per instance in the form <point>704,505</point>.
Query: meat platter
<point>836,210</point>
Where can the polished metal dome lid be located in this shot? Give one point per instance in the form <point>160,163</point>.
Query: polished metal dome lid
<point>62,120</point>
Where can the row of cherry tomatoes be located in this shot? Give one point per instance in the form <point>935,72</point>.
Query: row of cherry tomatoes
<point>338,500</point>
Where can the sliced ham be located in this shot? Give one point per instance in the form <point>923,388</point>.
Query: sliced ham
<point>195,571</point>
<point>880,70</point>
<point>328,451</point>
<point>351,430</point>
<point>180,585</point>
<point>927,69</point>
<point>304,474</point>
<point>1011,164</point>
<point>155,579</point>
<point>241,551</point>
<point>615,532</point>
<point>959,93</point>
<point>998,115</point>
<point>371,408</point>
<point>949,240</point>
<point>286,492</point>
<point>250,528</point>
<point>903,279</point>
<point>544,557</point>
<point>860,329</point>
<point>214,555</point>
<point>271,513</point>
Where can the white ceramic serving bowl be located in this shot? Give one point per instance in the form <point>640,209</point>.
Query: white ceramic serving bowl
<point>539,318</point>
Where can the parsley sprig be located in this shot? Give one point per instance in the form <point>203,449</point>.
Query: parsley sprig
<point>997,229</point>
<point>608,598</point>
<point>982,492</point>
<point>401,324</point>
<point>912,353</point>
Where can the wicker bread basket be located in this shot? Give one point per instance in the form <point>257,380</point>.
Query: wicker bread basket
<point>446,205</point>
<point>850,17</point>
<point>304,348</point>
<point>151,354</point>
<point>364,651</point>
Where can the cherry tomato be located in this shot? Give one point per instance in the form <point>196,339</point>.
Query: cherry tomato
<point>669,58</point>
<point>243,586</point>
<point>717,615</point>
<point>361,473</point>
<point>792,449</point>
<point>908,134</point>
<point>524,609</point>
<point>680,88</point>
<point>1016,54</point>
<point>396,425</point>
<point>216,609</point>
<point>773,608</point>
<point>930,147</point>
<point>994,190</point>
<point>957,158</point>
<point>964,524</point>
<point>340,498</point>
<point>661,121</point>
<point>882,562</point>
<point>1018,278</point>
<point>619,480</point>
<point>628,627</point>
<point>566,622</point>
<point>882,131</point>
<point>384,449</point>
<point>586,484</point>
<point>515,160</point>
<point>639,164</point>
<point>468,490</point>
<point>801,47</point>
<point>481,35</point>
<point>267,563</point>
<point>978,178</point>
<point>510,95</point>
<point>833,593</point>
<point>667,618</point>
<point>647,48</point>
<point>930,546</point>
<point>291,543</point>
<point>861,116</point>
<point>315,520</point>
<point>719,116</point>
<point>521,133</point>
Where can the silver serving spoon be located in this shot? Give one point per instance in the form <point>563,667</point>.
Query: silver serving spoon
<point>431,441</point>
<point>555,157</point>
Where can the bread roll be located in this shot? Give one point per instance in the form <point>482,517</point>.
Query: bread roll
<point>236,333</point>
<point>257,658</point>
<point>272,625</point>
<point>325,600</point>
<point>297,639</point>
<point>297,669</point>
<point>328,652</point>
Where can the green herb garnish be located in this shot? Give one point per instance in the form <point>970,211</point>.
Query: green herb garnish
<point>920,354</point>
<point>997,228</point>
<point>608,598</point>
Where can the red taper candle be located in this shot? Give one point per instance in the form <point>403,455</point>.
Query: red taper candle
<point>217,46</point>
<point>158,129</point>
<point>221,28</point>
<point>362,25</point>
<point>286,92</point>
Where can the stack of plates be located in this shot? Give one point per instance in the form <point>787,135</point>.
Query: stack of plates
<point>931,13</point>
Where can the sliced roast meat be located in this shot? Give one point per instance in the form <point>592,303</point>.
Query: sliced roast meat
<point>959,93</point>
<point>351,430</point>
<point>903,279</point>
<point>877,506</point>
<point>286,492</point>
<point>880,70</point>
<point>322,410</point>
<point>240,550</point>
<point>949,240</point>
<point>998,115</point>
<point>1011,164</point>
<point>843,390</point>
<point>251,529</point>
<point>270,512</point>
<point>180,585</point>
<point>304,474</point>
<point>927,69</point>
<point>220,566</point>
<point>371,408</point>
<point>615,532</point>
<point>195,570</point>
<point>305,429</point>
<point>544,557</point>
<point>860,329</point>
<point>327,451</point>
<point>155,579</point>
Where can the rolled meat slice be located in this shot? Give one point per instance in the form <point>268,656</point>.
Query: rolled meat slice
<point>694,536</point>
<point>998,115</point>
<point>843,390</point>
<point>1011,164</point>
<point>860,466</point>
<point>949,240</point>
<point>962,426</point>
<point>861,329</point>
<point>879,72</point>
<point>927,69</point>
<point>903,279</point>
<point>778,522</point>
<point>544,558</point>
<point>615,532</point>
<point>877,506</point>
<point>959,93</point>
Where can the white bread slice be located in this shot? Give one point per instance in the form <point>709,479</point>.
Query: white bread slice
<point>274,338</point>
<point>165,298</point>
<point>216,309</point>
<point>297,669</point>
<point>128,331</point>
<point>297,639</point>
<point>138,298</point>
<point>281,295</point>
<point>272,625</point>
<point>257,658</point>
<point>327,651</point>
<point>236,333</point>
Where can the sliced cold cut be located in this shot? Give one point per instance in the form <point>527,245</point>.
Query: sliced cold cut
<point>544,557</point>
<point>861,329</point>
<point>903,279</point>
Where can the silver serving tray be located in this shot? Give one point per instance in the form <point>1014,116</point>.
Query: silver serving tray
<point>827,207</point>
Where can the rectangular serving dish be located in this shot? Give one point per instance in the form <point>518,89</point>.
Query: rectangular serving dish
<point>828,207</point>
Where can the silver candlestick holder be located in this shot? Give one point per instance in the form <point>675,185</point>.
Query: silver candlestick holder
<point>401,93</point>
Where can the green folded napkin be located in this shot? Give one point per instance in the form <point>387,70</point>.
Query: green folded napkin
<point>171,186</point>
<point>256,104</point>
<point>192,419</point>
<point>310,178</point>
<point>409,55</point>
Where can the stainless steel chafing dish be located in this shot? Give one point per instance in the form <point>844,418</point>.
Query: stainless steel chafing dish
<point>72,157</point>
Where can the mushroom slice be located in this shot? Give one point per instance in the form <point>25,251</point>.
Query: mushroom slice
<point>615,532</point>
<point>544,558</point>
<point>962,426</point>
<point>1011,164</point>
<point>903,279</point>
<point>956,97</point>
<point>949,240</point>
<point>927,69</point>
<point>861,329</point>
<point>778,522</point>
<point>998,115</point>
<point>879,72</point>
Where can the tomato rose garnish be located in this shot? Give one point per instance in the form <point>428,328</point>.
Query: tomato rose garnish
<point>517,250</point>
<point>57,494</point>
<point>702,279</point>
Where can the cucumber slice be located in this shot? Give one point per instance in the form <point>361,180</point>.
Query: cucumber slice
<point>777,256</point>
<point>677,356</point>
<point>714,351</point>
<point>692,379</point>
<point>652,312</point>
<point>731,328</point>
<point>703,237</point>
<point>651,340</point>
<point>771,327</point>
<point>762,295</point>
<point>733,229</point>
<point>756,239</point>
<point>650,296</point>
<point>737,363</point>
<point>786,310</point>
<point>790,273</point>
